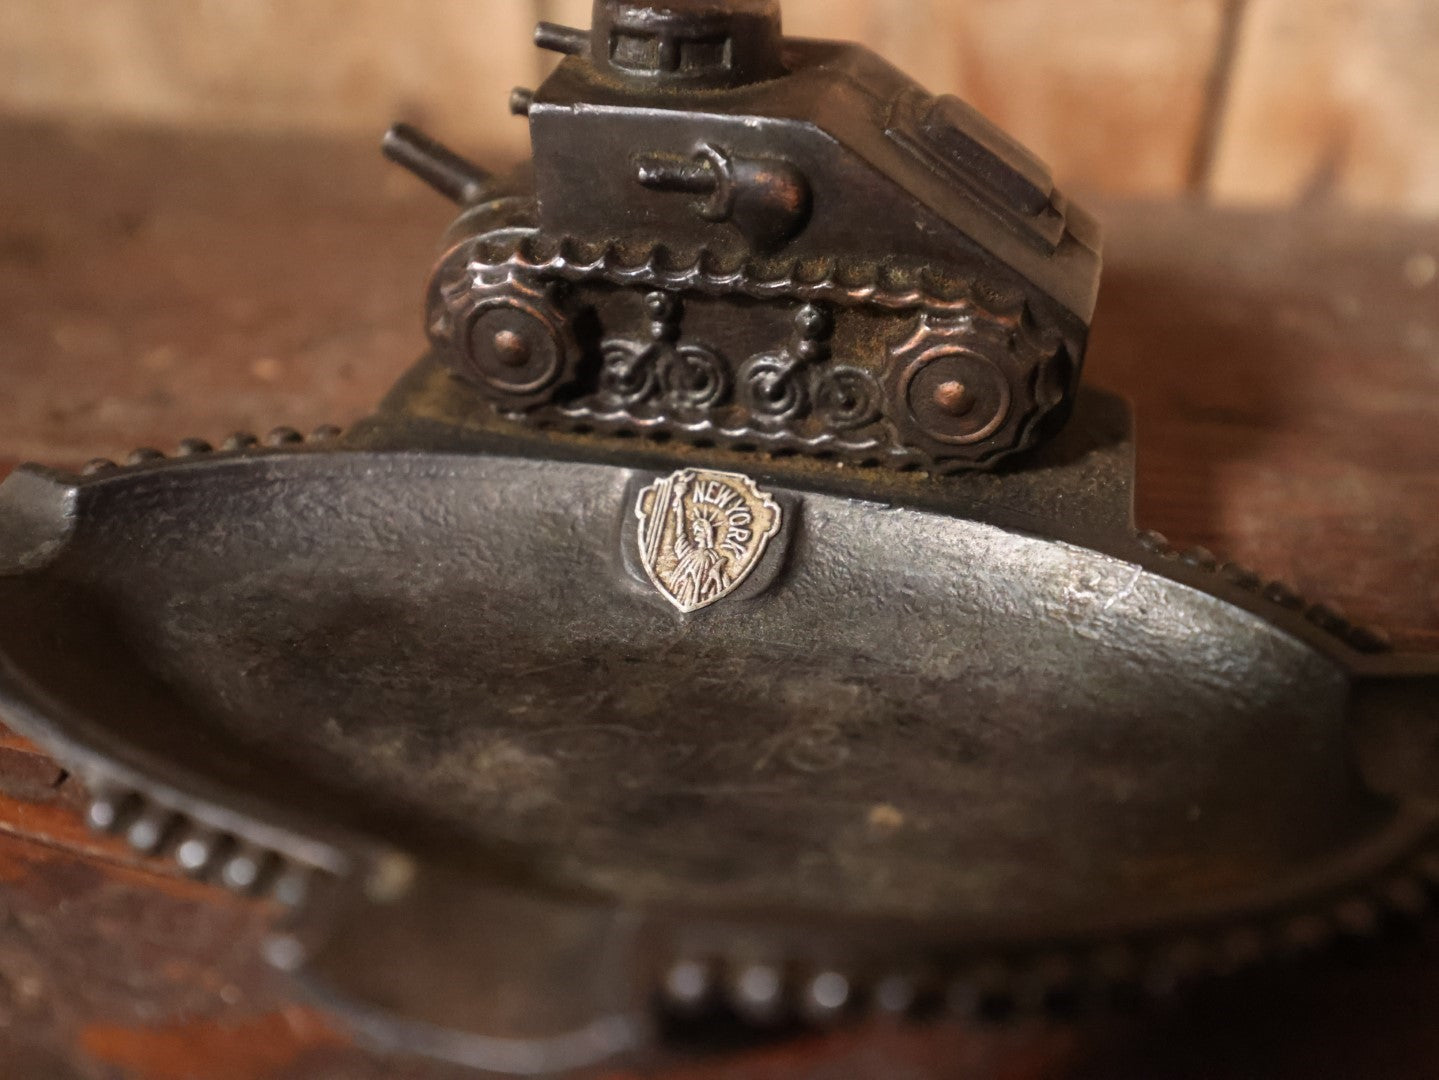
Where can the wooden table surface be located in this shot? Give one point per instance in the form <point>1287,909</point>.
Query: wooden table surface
<point>155,286</point>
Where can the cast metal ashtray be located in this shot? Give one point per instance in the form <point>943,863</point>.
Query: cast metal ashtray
<point>941,746</point>
<point>737,620</point>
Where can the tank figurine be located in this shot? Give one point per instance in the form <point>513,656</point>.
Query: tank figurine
<point>738,239</point>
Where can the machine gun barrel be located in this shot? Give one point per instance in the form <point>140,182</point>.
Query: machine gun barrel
<point>444,170</point>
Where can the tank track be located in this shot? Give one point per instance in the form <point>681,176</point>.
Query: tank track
<point>947,312</point>
<point>893,284</point>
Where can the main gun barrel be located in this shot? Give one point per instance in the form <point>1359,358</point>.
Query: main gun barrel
<point>444,170</point>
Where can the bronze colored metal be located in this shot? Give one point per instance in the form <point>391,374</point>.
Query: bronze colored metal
<point>569,749</point>
<point>700,185</point>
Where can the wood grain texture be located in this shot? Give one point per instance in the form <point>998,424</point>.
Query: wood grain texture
<point>265,281</point>
<point>1330,99</point>
<point>1334,101</point>
<point>272,65</point>
<point>1109,92</point>
<point>1285,373</point>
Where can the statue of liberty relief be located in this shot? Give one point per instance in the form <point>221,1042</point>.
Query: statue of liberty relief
<point>702,533</point>
<point>702,572</point>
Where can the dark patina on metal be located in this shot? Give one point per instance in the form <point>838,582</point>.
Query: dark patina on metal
<point>564,747</point>
<point>735,238</point>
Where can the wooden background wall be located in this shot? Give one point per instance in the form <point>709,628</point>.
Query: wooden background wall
<point>1270,101</point>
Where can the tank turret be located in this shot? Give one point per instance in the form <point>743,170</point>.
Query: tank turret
<point>740,239</point>
<point>704,44</point>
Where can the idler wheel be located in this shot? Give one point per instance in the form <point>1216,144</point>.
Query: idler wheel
<point>955,396</point>
<point>515,343</point>
<point>961,390</point>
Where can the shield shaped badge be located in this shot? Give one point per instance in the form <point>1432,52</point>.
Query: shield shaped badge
<point>702,533</point>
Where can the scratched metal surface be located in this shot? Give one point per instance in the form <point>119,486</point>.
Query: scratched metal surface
<point>455,648</point>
